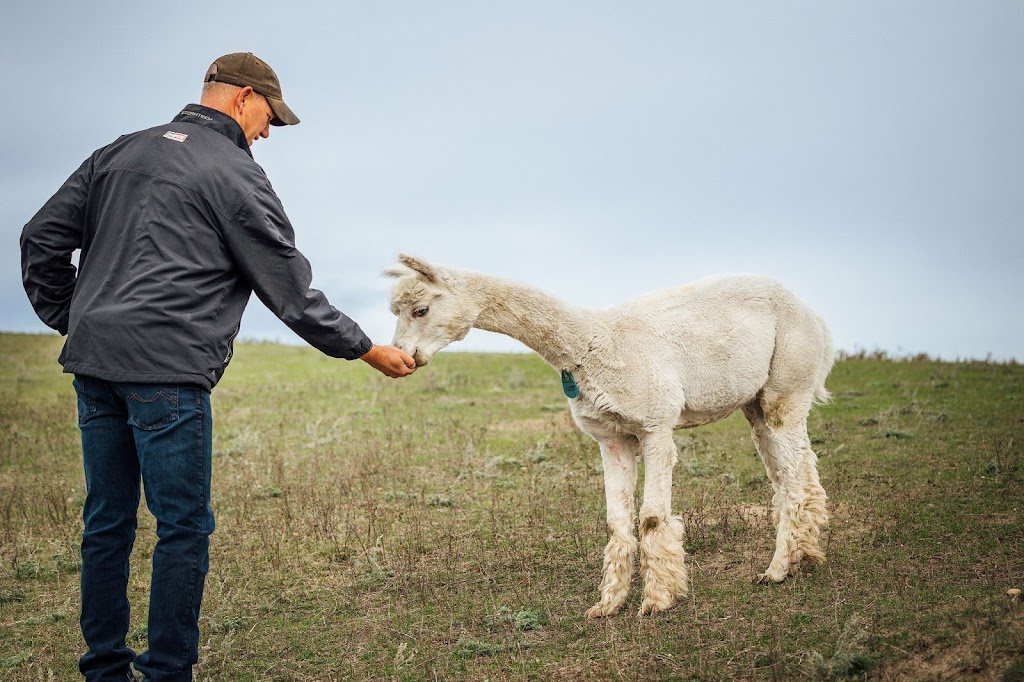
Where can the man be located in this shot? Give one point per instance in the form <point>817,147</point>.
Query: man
<point>177,226</point>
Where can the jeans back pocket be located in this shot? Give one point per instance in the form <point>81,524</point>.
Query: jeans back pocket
<point>152,407</point>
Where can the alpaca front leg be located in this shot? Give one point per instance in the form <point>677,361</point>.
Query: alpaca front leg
<point>662,558</point>
<point>618,569</point>
<point>619,458</point>
<point>662,563</point>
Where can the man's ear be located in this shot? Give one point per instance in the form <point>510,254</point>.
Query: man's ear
<point>240,98</point>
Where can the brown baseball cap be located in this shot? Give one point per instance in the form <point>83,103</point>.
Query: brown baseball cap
<point>246,69</point>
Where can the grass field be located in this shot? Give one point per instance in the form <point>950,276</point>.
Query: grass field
<point>450,526</point>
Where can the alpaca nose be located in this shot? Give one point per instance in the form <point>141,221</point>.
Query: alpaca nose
<point>404,347</point>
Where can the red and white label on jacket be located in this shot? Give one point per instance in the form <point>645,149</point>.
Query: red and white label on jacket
<point>177,137</point>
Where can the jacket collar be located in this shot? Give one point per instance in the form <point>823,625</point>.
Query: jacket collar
<point>215,120</point>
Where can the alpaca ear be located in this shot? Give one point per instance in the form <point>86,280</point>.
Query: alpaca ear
<point>406,263</point>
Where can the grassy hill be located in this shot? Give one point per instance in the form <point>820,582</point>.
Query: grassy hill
<point>451,525</point>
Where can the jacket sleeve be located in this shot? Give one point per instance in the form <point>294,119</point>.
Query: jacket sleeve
<point>262,242</point>
<point>47,242</point>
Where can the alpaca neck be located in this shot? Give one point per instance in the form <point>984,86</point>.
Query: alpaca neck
<point>559,333</point>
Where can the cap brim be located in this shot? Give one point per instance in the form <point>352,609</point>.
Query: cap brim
<point>283,115</point>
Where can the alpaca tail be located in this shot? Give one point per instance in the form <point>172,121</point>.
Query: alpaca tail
<point>821,394</point>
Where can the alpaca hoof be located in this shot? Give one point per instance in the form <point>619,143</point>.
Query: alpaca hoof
<point>652,607</point>
<point>771,576</point>
<point>602,610</point>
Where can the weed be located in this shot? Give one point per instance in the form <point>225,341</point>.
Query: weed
<point>1014,673</point>
<point>15,660</point>
<point>468,647</point>
<point>441,501</point>
<point>850,656</point>
<point>10,596</point>
<point>523,620</point>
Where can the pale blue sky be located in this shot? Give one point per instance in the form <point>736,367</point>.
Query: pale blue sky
<point>870,155</point>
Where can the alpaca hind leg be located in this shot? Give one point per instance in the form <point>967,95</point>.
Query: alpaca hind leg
<point>814,500</point>
<point>662,558</point>
<point>619,458</point>
<point>803,513</point>
<point>758,433</point>
<point>799,500</point>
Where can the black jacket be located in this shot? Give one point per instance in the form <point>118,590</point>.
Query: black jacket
<point>177,226</point>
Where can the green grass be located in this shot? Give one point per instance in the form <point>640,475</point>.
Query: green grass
<point>450,526</point>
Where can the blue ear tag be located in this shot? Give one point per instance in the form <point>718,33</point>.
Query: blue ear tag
<point>569,387</point>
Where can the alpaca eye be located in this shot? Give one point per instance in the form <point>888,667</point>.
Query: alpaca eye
<point>420,312</point>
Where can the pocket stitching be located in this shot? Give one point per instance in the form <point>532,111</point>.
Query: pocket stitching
<point>169,419</point>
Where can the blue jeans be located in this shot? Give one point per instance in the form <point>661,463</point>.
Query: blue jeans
<point>163,435</point>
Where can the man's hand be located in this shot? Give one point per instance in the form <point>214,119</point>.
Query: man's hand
<point>390,360</point>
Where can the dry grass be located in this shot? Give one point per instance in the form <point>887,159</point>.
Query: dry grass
<point>450,526</point>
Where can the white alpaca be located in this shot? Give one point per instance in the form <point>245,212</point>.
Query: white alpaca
<point>672,359</point>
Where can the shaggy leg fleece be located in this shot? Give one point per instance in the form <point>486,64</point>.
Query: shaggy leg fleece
<point>662,563</point>
<point>799,501</point>
<point>798,506</point>
<point>618,569</point>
